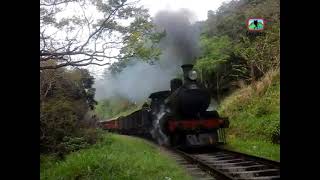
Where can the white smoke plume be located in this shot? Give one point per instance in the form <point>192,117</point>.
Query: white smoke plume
<point>179,46</point>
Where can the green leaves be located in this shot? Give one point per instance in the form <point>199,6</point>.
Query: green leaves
<point>74,143</point>
<point>263,52</point>
<point>89,37</point>
<point>230,54</point>
<point>69,96</point>
<point>216,51</point>
<point>141,40</point>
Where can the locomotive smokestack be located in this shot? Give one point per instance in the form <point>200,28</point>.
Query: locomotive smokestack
<point>186,68</point>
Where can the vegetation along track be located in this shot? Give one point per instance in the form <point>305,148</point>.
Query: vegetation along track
<point>222,164</point>
<point>226,164</point>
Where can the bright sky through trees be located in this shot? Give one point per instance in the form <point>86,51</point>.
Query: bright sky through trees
<point>200,9</point>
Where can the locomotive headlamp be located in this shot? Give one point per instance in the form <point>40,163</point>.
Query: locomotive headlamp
<point>192,75</point>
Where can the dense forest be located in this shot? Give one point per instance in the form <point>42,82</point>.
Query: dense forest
<point>231,57</point>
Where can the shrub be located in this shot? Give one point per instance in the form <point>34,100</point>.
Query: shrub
<point>66,103</point>
<point>71,144</point>
<point>253,114</point>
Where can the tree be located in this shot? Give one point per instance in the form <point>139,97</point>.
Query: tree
<point>231,55</point>
<point>94,38</point>
<point>66,97</point>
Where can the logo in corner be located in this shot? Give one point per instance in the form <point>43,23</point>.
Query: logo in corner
<point>256,24</point>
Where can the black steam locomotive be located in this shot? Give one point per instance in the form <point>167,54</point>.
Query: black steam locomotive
<point>178,117</point>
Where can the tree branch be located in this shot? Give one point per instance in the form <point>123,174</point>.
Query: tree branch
<point>102,26</point>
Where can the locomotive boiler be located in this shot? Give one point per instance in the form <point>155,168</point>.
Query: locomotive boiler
<point>180,116</point>
<point>177,117</point>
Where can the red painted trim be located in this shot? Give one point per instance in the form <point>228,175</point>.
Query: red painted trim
<point>111,124</point>
<point>194,123</point>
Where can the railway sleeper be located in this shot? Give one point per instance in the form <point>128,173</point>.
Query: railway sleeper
<point>215,158</point>
<point>224,161</point>
<point>198,173</point>
<point>219,156</point>
<point>256,173</point>
<point>260,178</point>
<point>244,168</point>
<point>206,178</point>
<point>221,165</point>
<point>190,166</point>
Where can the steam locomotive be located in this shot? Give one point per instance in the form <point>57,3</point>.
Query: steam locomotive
<point>177,118</point>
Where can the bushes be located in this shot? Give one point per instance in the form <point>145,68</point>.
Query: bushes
<point>66,98</point>
<point>254,114</point>
<point>91,135</point>
<point>74,143</point>
<point>230,53</point>
<point>57,121</point>
<point>61,130</point>
<point>254,111</point>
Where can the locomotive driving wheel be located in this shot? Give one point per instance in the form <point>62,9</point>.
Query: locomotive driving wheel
<point>176,139</point>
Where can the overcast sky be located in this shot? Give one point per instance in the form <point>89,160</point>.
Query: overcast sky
<point>200,9</point>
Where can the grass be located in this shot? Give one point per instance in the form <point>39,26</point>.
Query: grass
<point>260,148</point>
<point>254,113</point>
<point>116,157</point>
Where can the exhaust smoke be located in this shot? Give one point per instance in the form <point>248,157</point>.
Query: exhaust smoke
<point>179,46</point>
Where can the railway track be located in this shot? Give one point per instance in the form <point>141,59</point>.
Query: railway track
<point>193,169</point>
<point>225,164</point>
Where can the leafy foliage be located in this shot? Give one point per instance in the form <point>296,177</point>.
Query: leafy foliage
<point>74,143</point>
<point>99,32</point>
<point>216,50</point>
<point>231,55</point>
<point>254,111</point>
<point>67,97</point>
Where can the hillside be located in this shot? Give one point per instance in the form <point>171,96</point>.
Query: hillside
<point>254,113</point>
<point>115,157</point>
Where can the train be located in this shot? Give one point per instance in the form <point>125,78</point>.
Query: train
<point>178,117</point>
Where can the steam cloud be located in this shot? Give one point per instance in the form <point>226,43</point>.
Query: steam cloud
<point>180,46</point>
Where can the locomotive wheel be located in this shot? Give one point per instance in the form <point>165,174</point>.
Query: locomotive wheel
<point>175,140</point>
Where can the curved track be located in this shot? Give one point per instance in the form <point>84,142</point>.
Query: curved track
<point>222,164</point>
<point>226,164</point>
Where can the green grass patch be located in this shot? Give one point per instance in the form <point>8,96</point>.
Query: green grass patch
<point>260,148</point>
<point>116,157</point>
<point>254,114</point>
